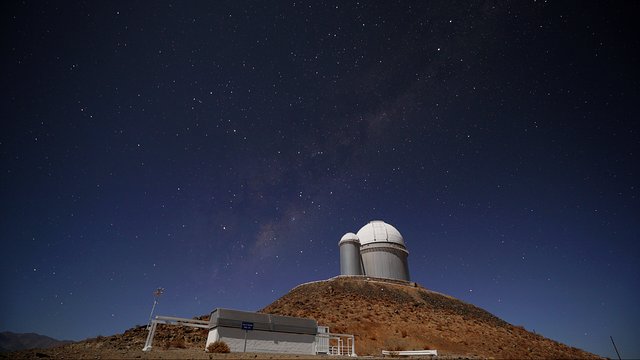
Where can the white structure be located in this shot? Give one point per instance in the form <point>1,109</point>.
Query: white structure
<point>265,333</point>
<point>170,320</point>
<point>246,331</point>
<point>410,353</point>
<point>334,344</point>
<point>350,263</point>
<point>377,250</point>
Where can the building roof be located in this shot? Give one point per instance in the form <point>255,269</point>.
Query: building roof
<point>379,231</point>
<point>349,237</point>
<point>266,322</point>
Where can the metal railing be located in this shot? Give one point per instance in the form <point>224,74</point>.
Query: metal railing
<point>335,344</point>
<point>170,320</point>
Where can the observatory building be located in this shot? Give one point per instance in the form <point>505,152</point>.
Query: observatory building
<point>377,250</point>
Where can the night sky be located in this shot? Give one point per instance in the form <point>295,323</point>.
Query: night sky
<point>221,149</point>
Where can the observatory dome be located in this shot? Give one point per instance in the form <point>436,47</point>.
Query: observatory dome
<point>349,237</point>
<point>379,231</point>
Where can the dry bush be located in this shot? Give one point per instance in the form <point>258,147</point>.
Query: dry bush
<point>395,345</point>
<point>218,346</point>
<point>178,343</point>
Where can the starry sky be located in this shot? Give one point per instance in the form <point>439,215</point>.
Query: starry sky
<point>221,149</point>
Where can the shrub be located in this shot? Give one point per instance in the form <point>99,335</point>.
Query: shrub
<point>218,346</point>
<point>395,345</point>
<point>178,343</point>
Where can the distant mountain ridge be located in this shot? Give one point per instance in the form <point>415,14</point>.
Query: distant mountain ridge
<point>10,341</point>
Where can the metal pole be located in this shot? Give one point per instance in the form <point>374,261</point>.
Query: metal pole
<point>352,347</point>
<point>615,347</point>
<point>245,340</point>
<point>156,296</point>
<point>151,314</point>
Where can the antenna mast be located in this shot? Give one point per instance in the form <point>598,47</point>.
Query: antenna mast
<point>614,346</point>
<point>156,295</point>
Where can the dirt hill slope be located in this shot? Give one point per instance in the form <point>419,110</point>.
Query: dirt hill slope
<point>390,316</point>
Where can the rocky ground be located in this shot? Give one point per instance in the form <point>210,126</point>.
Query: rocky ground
<point>388,316</point>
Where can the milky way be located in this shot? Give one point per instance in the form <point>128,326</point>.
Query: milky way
<point>221,149</point>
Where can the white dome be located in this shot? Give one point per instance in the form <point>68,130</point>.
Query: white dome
<point>379,231</point>
<point>349,237</point>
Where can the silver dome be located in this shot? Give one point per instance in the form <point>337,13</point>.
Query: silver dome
<point>379,231</point>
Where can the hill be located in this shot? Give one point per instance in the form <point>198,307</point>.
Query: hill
<point>398,316</point>
<point>382,314</point>
<point>10,341</point>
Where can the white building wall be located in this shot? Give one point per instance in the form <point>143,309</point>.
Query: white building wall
<point>350,263</point>
<point>322,342</point>
<point>263,341</point>
<point>212,337</point>
<point>385,260</point>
